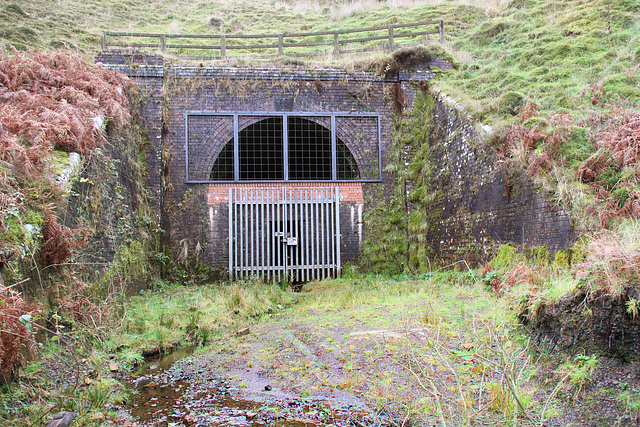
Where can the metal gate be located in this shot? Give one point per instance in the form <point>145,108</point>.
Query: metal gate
<point>284,233</point>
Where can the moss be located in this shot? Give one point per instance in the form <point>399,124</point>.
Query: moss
<point>511,102</point>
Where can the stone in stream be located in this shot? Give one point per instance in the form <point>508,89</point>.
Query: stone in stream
<point>242,332</point>
<point>62,419</point>
<point>113,367</point>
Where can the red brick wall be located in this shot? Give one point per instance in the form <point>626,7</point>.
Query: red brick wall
<point>349,191</point>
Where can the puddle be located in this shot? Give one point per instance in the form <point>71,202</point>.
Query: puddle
<point>166,397</point>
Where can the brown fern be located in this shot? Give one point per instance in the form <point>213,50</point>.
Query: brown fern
<point>59,240</point>
<point>14,335</point>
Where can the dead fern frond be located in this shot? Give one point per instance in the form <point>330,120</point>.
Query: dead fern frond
<point>59,241</point>
<point>15,335</point>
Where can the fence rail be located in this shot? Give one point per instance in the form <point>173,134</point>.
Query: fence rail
<point>328,43</point>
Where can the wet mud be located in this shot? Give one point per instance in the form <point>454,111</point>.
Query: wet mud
<point>180,390</point>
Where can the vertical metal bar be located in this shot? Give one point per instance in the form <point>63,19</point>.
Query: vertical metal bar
<point>330,234</point>
<point>285,203</point>
<point>245,232</point>
<point>312,234</point>
<point>278,227</point>
<point>262,230</point>
<point>327,219</point>
<point>272,228</point>
<point>322,232</point>
<point>334,150</point>
<point>236,220</point>
<point>241,219</point>
<point>285,145</point>
<point>307,276</point>
<point>296,223</point>
<point>338,235</point>
<point>252,237</point>
<point>230,203</point>
<point>236,149</point>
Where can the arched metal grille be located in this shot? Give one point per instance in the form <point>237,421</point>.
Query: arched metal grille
<point>234,147</point>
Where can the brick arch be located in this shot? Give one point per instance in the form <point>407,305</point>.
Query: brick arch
<point>345,162</point>
<point>208,135</point>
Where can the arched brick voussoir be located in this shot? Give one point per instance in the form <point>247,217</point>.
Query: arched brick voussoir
<point>360,135</point>
<point>208,136</point>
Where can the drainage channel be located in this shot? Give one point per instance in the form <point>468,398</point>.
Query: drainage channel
<point>168,395</point>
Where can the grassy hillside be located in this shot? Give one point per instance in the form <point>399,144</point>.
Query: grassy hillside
<point>544,50</point>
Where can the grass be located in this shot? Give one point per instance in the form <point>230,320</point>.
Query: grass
<point>162,319</point>
<point>173,314</point>
<point>431,349</point>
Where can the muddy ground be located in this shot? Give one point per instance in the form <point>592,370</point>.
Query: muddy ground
<point>418,356</point>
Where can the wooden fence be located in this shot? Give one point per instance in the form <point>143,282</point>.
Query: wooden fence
<point>323,43</point>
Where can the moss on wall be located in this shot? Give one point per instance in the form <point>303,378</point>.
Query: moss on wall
<point>397,225</point>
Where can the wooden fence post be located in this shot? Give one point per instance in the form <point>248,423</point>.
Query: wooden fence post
<point>280,44</point>
<point>163,43</point>
<point>441,31</point>
<point>336,46</point>
<point>223,46</point>
<point>103,43</point>
<point>390,36</point>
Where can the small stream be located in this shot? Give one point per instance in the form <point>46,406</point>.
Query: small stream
<point>166,395</point>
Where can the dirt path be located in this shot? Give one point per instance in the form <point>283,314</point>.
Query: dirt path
<point>446,356</point>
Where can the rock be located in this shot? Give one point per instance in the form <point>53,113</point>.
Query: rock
<point>152,384</point>
<point>280,307</point>
<point>188,420</point>
<point>267,388</point>
<point>153,367</point>
<point>113,367</point>
<point>87,381</point>
<point>242,332</point>
<point>62,419</point>
<point>250,415</point>
<point>98,416</point>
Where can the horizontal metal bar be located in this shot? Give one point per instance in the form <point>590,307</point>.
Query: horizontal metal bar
<point>281,181</point>
<point>279,114</point>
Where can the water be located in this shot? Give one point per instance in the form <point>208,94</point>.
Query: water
<point>165,397</point>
